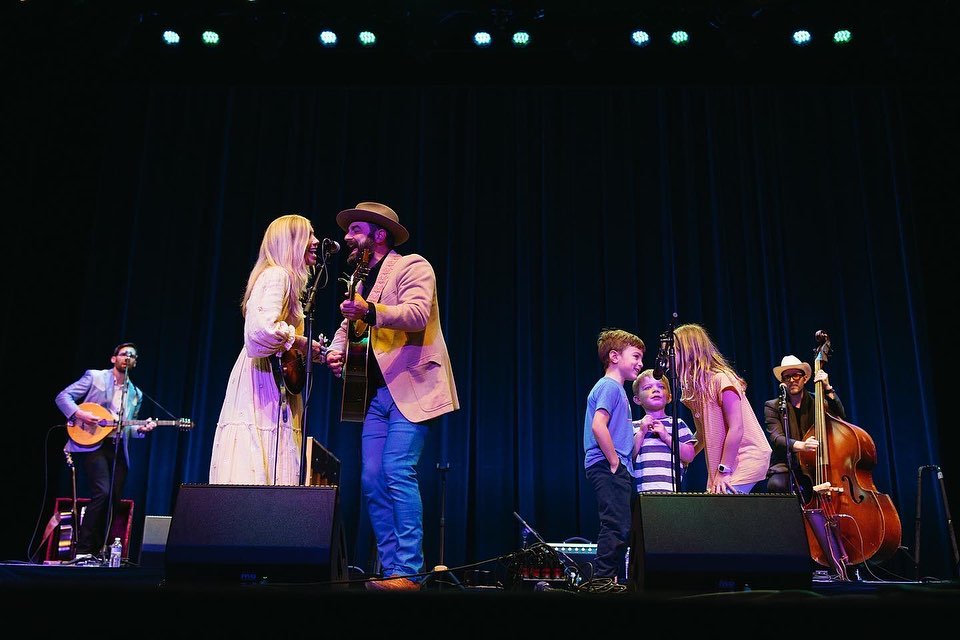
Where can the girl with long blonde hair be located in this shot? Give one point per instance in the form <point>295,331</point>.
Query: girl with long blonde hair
<point>736,446</point>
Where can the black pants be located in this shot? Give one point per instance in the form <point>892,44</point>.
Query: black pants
<point>779,483</point>
<point>614,499</point>
<point>98,467</point>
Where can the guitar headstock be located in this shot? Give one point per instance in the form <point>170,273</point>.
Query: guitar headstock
<point>183,424</point>
<point>363,265</point>
<point>359,274</point>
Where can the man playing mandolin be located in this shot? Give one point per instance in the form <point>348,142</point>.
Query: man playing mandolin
<point>391,353</point>
<point>104,458</point>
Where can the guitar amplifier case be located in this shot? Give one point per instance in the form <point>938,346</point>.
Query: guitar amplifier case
<point>701,542</point>
<point>256,534</point>
<point>120,527</point>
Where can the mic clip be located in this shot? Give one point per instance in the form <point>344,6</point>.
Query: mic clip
<point>330,247</point>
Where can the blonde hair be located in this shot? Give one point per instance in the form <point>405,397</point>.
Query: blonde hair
<point>616,340</point>
<point>697,359</point>
<point>648,373</point>
<point>284,245</point>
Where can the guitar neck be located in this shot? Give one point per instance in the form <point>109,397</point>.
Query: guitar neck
<point>159,423</point>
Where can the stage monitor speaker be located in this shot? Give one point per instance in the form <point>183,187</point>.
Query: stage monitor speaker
<point>155,532</point>
<point>701,542</point>
<point>256,534</point>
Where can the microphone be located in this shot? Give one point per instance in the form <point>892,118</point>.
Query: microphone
<point>783,390</point>
<point>662,364</point>
<point>330,246</point>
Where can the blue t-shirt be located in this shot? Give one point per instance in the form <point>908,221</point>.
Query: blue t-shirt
<point>607,394</point>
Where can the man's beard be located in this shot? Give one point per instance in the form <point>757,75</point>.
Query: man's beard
<point>357,250</point>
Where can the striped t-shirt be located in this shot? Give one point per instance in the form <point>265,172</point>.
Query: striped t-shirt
<point>653,467</point>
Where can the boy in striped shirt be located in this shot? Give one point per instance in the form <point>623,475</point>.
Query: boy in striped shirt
<point>652,441</point>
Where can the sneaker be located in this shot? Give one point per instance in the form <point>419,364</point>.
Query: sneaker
<point>393,584</point>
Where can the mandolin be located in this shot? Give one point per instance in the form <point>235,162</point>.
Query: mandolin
<point>293,366</point>
<point>353,406</point>
<point>90,433</point>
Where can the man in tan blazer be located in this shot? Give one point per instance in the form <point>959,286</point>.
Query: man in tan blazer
<point>397,377</point>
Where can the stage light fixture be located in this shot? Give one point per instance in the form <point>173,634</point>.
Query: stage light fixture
<point>521,39</point>
<point>842,36</point>
<point>327,38</point>
<point>639,38</point>
<point>367,39</point>
<point>680,38</point>
<point>210,38</point>
<point>171,37</point>
<point>801,37</point>
<point>482,39</point>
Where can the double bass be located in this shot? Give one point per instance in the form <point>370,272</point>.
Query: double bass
<point>848,521</point>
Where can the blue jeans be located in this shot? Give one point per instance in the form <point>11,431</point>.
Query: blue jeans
<point>390,448</point>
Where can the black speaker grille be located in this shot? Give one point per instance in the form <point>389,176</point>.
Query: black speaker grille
<point>252,533</point>
<point>708,542</point>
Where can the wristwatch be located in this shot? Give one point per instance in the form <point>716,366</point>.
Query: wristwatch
<point>722,468</point>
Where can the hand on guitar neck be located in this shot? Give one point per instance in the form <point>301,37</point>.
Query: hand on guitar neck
<point>354,309</point>
<point>293,364</point>
<point>352,363</point>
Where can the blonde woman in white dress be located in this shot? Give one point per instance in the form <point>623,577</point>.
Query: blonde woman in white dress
<point>258,435</point>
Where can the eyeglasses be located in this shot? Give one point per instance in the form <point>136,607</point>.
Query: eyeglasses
<point>127,355</point>
<point>790,377</point>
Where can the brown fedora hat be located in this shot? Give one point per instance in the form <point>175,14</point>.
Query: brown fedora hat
<point>379,214</point>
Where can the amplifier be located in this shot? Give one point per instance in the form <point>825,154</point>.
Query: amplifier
<point>552,564</point>
<point>580,554</point>
<point>576,549</point>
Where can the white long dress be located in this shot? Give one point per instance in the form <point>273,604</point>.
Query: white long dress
<point>245,446</point>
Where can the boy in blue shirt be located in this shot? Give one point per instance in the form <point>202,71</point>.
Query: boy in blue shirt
<point>608,446</point>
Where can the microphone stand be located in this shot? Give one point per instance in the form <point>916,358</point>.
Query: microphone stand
<point>441,569</point>
<point>668,362</point>
<point>791,476</point>
<point>116,452</point>
<point>328,248</point>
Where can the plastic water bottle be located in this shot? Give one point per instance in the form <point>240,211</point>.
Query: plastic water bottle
<point>116,551</point>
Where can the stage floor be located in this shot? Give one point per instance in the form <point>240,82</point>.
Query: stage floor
<point>139,602</point>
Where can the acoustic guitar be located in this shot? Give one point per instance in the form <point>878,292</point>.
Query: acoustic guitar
<point>89,433</point>
<point>69,521</point>
<point>353,406</point>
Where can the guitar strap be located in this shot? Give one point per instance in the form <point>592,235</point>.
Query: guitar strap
<point>388,263</point>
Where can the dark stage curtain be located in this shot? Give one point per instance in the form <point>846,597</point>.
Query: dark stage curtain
<point>763,212</point>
